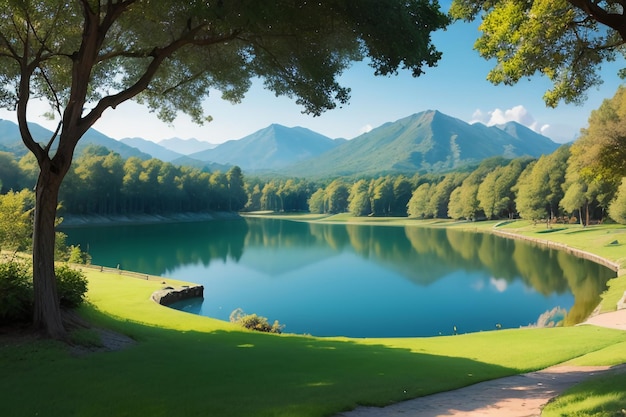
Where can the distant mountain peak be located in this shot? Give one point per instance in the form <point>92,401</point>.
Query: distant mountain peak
<point>153,149</point>
<point>186,146</point>
<point>271,148</point>
<point>428,141</point>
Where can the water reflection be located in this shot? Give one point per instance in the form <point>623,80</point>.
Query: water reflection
<point>358,273</point>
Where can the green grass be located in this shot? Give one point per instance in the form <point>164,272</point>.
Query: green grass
<point>189,365</point>
<point>595,239</point>
<point>598,397</point>
<point>609,356</point>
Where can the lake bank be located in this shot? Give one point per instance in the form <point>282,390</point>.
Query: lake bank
<point>71,220</point>
<point>613,265</point>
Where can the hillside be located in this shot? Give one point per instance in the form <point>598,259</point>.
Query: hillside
<point>11,141</point>
<point>185,146</point>
<point>93,137</point>
<point>272,148</point>
<point>152,149</point>
<point>429,141</point>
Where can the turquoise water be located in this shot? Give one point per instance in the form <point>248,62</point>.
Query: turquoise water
<point>356,280</point>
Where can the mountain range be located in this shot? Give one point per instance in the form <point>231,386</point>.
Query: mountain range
<point>11,141</point>
<point>429,141</point>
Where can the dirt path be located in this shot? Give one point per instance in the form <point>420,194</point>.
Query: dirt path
<point>515,396</point>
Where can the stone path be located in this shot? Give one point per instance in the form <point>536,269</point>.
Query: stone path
<point>515,396</point>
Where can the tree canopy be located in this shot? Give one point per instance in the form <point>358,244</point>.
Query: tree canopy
<point>87,56</point>
<point>601,148</point>
<point>564,40</point>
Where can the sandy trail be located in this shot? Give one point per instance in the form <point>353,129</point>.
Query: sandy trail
<point>515,396</point>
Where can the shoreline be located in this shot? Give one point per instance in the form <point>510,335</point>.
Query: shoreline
<point>94,220</point>
<point>614,266</point>
<point>101,221</point>
<point>72,221</point>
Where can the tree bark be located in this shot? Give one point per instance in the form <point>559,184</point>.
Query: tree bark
<point>47,315</point>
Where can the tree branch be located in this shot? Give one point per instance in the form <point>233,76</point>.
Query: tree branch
<point>613,20</point>
<point>182,82</point>
<point>22,105</point>
<point>23,95</point>
<point>158,56</point>
<point>95,30</point>
<point>12,52</point>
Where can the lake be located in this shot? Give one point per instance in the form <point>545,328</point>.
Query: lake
<point>357,280</point>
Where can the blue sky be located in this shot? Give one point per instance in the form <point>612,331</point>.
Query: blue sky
<point>457,87</point>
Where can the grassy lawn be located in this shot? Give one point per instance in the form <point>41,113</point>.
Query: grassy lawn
<point>183,364</point>
<point>598,397</point>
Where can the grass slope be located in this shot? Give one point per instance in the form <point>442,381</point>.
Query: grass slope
<point>598,397</point>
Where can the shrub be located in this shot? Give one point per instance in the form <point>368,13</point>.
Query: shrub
<point>16,292</point>
<point>617,208</point>
<point>77,256</point>
<point>71,286</point>
<point>254,322</point>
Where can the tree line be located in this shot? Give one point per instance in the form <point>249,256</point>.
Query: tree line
<point>103,183</point>
<point>555,187</point>
<point>551,188</point>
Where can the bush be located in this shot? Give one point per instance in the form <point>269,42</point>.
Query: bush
<point>77,256</point>
<point>254,322</point>
<point>617,208</point>
<point>16,292</point>
<point>71,286</point>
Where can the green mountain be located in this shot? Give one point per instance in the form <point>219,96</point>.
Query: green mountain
<point>272,148</point>
<point>429,141</point>
<point>11,141</point>
<point>201,165</point>
<point>153,149</point>
<point>93,137</point>
<point>159,151</point>
<point>186,146</point>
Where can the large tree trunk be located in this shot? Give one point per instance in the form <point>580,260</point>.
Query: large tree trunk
<point>47,310</point>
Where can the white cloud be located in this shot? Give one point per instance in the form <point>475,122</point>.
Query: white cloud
<point>499,284</point>
<point>517,114</point>
<point>365,129</point>
<point>544,130</point>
